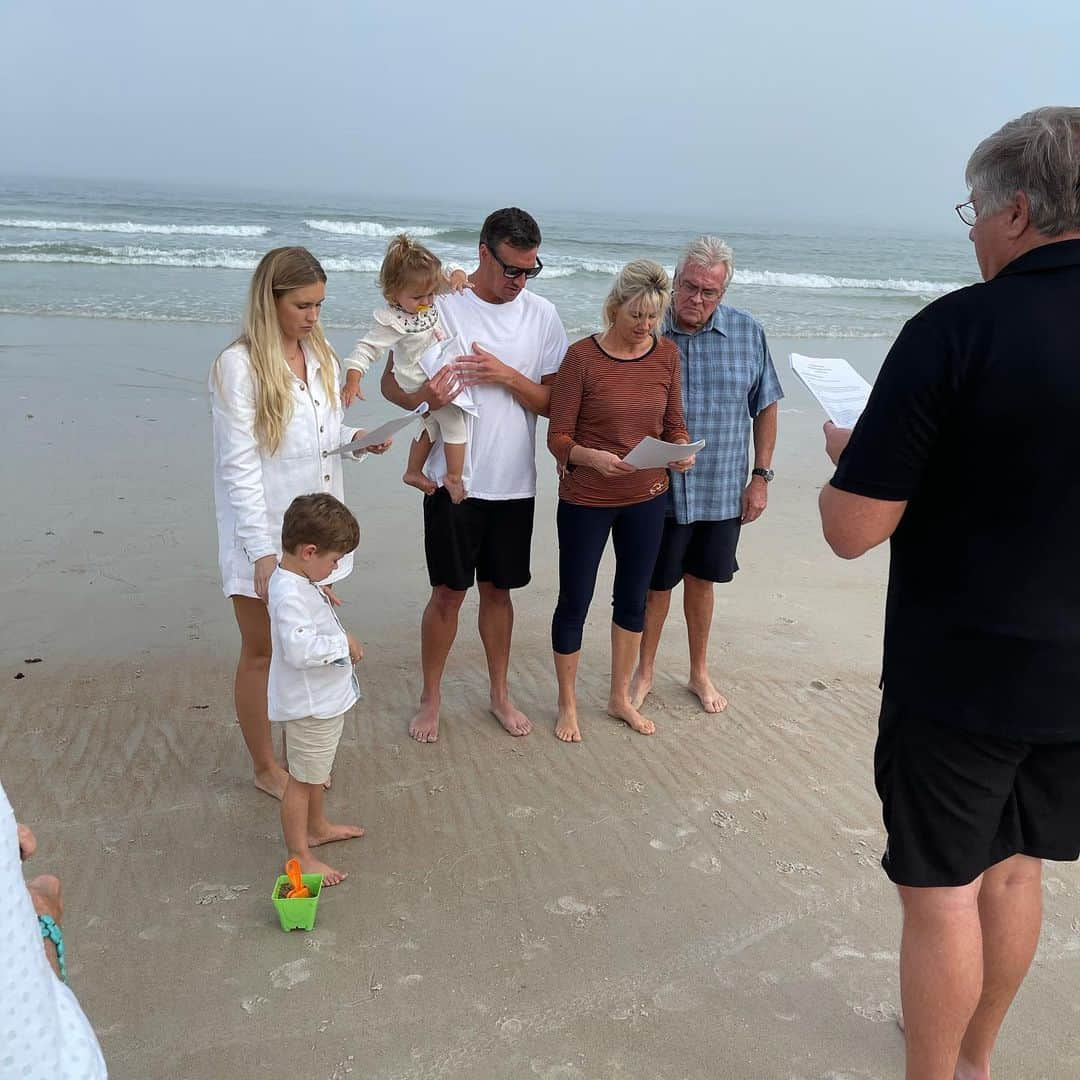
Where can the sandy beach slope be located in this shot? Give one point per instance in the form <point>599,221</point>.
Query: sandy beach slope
<point>704,903</point>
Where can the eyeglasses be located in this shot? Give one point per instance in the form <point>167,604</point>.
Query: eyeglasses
<point>689,289</point>
<point>511,271</point>
<point>967,213</point>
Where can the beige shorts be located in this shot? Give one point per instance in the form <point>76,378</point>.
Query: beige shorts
<point>312,744</point>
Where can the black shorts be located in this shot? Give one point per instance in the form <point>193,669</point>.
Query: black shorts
<point>486,539</point>
<point>703,549</point>
<point>956,803</point>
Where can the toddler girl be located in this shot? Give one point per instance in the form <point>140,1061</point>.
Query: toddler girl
<point>410,278</point>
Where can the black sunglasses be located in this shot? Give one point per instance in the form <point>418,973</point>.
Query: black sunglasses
<point>511,271</point>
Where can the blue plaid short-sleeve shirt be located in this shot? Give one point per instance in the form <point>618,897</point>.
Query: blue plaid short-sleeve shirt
<point>727,379</point>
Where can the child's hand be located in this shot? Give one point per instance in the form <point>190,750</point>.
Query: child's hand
<point>459,281</point>
<point>356,650</point>
<point>351,392</point>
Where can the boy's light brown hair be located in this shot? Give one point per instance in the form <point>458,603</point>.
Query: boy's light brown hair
<point>322,520</point>
<point>405,261</point>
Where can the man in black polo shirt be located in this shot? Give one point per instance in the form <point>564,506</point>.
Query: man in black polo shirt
<point>964,458</point>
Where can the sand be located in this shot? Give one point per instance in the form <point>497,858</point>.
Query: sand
<point>706,902</point>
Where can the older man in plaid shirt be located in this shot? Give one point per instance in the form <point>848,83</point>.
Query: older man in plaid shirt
<point>729,385</point>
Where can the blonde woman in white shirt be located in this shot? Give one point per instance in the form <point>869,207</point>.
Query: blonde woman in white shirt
<point>276,416</point>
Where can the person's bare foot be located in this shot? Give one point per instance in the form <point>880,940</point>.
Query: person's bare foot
<point>272,781</point>
<point>566,727</point>
<point>712,701</point>
<point>418,480</point>
<point>425,724</point>
<point>629,715</point>
<point>966,1071</point>
<point>640,685</point>
<point>511,717</point>
<point>455,488</point>
<point>310,865</point>
<point>329,833</point>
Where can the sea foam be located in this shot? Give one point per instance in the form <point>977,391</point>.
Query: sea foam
<point>372,228</point>
<point>134,227</point>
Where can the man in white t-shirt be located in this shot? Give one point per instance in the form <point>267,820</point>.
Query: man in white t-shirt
<point>517,343</point>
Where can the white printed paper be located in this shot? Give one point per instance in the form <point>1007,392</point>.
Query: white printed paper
<point>380,434</point>
<point>442,354</point>
<point>837,387</point>
<point>653,453</point>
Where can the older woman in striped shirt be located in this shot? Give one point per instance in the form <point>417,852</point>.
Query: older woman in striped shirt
<point>613,389</point>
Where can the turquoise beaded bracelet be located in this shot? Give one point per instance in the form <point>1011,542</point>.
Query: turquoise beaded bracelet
<point>50,929</point>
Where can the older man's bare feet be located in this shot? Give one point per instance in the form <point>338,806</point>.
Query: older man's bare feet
<point>566,726</point>
<point>310,865</point>
<point>640,685</point>
<point>511,717</point>
<point>329,833</point>
<point>623,710</point>
<point>712,701</point>
<point>425,724</point>
<point>272,781</point>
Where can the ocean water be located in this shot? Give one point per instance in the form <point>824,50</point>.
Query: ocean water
<point>117,252</point>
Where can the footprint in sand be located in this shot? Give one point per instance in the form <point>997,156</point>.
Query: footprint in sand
<point>880,1012</point>
<point>291,974</point>
<point>679,842</point>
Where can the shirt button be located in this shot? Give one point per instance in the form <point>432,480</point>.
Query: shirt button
<point>316,403</point>
<point>320,429</point>
<point>324,453</point>
<point>327,476</point>
<point>302,386</point>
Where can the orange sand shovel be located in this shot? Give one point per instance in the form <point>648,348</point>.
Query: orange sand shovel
<point>299,890</point>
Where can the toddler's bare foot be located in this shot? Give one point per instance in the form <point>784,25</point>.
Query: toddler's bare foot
<point>310,865</point>
<point>640,685</point>
<point>566,727</point>
<point>623,710</point>
<point>329,833</point>
<point>417,479</point>
<point>425,724</point>
<point>454,487</point>
<point>712,701</point>
<point>511,717</point>
<point>272,781</point>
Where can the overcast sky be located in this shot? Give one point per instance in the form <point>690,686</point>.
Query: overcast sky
<point>789,111</point>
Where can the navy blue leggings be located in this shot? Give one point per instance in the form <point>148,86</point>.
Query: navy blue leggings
<point>583,534</point>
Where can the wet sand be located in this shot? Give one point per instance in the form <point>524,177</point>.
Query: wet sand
<point>702,903</point>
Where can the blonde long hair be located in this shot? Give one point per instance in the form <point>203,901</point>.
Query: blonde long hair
<point>280,271</point>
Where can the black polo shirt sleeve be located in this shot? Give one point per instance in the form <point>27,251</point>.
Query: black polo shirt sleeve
<point>888,452</point>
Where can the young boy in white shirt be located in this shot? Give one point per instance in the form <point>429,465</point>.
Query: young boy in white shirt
<point>312,684</point>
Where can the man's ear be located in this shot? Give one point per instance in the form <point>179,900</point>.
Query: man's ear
<point>1019,215</point>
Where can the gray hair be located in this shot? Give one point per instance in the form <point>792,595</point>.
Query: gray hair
<point>641,279</point>
<point>1039,154</point>
<point>707,252</point>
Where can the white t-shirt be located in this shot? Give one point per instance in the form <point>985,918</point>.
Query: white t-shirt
<point>44,1035</point>
<point>528,335</point>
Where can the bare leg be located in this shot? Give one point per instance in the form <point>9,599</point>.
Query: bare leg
<point>625,646</point>
<point>252,672</point>
<point>496,624</point>
<point>296,808</point>
<point>566,727</point>
<point>941,973</point>
<point>438,628</point>
<point>414,476</point>
<point>698,608</point>
<point>455,464</point>
<point>657,605</point>
<point>1010,913</point>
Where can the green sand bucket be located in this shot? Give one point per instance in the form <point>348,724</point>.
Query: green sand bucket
<point>297,914</point>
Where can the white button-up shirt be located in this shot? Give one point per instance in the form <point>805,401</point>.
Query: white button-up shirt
<point>310,670</point>
<point>252,488</point>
